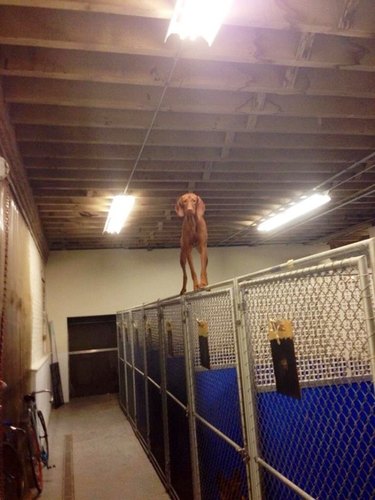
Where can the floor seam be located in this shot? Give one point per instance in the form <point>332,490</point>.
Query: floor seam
<point>68,474</point>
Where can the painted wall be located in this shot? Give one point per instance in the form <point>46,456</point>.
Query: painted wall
<point>95,282</point>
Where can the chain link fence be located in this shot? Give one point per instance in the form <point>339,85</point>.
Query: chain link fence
<point>204,385</point>
<point>321,442</point>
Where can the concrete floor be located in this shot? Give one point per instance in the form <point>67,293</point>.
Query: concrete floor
<point>97,456</point>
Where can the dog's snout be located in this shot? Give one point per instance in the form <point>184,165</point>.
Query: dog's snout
<point>190,206</point>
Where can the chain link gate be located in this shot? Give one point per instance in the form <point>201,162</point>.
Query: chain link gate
<point>156,388</point>
<point>140,375</point>
<point>323,442</point>
<point>129,366</point>
<point>178,422</point>
<point>216,396</point>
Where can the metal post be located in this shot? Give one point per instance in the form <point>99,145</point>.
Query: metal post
<point>119,359</point>
<point>371,244</point>
<point>368,298</point>
<point>249,412</point>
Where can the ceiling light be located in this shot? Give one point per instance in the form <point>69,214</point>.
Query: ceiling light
<point>118,213</point>
<point>298,209</point>
<point>198,18</point>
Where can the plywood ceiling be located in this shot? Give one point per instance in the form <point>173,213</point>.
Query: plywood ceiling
<point>282,102</point>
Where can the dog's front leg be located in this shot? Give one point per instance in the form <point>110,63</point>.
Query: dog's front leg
<point>193,273</point>
<point>204,263</point>
<point>183,266</point>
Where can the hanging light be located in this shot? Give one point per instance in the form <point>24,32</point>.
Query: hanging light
<point>298,209</point>
<point>118,213</point>
<point>198,18</point>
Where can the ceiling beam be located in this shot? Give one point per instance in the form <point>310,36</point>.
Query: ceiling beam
<point>39,62</point>
<point>124,97</point>
<point>113,118</point>
<point>270,14</point>
<point>145,36</point>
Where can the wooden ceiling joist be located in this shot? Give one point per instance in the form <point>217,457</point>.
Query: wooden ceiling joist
<point>281,103</point>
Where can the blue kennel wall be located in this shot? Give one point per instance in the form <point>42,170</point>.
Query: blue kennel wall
<point>197,383</point>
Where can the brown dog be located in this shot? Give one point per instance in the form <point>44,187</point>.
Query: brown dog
<point>194,234</point>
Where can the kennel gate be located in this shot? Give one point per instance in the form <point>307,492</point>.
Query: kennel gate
<point>214,425</point>
<point>323,443</point>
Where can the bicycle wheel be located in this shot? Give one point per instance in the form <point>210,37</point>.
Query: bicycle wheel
<point>13,473</point>
<point>35,460</point>
<point>43,439</point>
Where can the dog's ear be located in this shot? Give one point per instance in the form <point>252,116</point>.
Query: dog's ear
<point>179,208</point>
<point>201,207</point>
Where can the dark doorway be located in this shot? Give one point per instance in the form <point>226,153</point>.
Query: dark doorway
<point>92,355</point>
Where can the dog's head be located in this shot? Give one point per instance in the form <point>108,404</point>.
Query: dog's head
<point>190,204</point>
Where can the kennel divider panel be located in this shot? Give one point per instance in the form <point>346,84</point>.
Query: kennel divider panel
<point>128,365</point>
<point>322,443</point>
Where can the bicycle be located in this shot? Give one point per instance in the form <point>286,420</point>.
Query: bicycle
<point>37,438</point>
<point>25,450</point>
<point>13,469</point>
<point>13,472</point>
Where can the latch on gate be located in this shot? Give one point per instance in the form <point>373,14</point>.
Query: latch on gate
<point>280,329</point>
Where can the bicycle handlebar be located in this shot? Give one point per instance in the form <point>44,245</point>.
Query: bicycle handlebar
<point>13,428</point>
<point>31,395</point>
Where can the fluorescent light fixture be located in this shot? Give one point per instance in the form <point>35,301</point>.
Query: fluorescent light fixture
<point>198,18</point>
<point>118,213</point>
<point>298,209</point>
